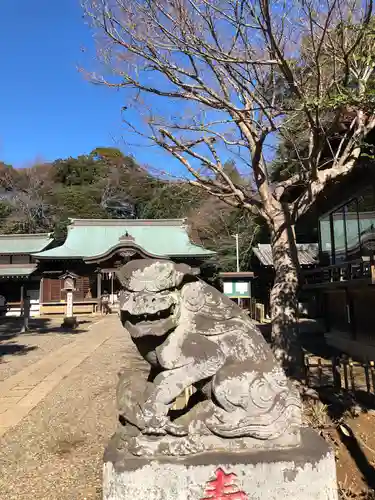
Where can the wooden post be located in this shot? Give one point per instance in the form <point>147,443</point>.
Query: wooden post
<point>367,376</point>
<point>372,371</point>
<point>320,371</point>
<point>336,373</point>
<point>41,295</point>
<point>307,371</point>
<point>21,300</point>
<point>69,304</point>
<point>346,382</point>
<point>351,373</point>
<point>99,288</point>
<point>261,312</point>
<point>350,314</point>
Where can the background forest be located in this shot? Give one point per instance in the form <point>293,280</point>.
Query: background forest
<point>108,184</point>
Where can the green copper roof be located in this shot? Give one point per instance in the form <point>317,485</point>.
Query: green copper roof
<point>15,271</point>
<point>89,238</point>
<point>24,243</point>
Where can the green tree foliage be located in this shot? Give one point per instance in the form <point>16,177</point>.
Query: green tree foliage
<point>81,202</point>
<point>108,184</point>
<point>172,200</point>
<point>108,153</point>
<point>231,170</point>
<point>79,171</point>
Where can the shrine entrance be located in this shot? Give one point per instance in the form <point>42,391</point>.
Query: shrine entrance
<point>110,284</point>
<point>107,282</point>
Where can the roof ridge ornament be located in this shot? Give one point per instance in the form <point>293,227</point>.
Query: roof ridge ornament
<point>126,237</point>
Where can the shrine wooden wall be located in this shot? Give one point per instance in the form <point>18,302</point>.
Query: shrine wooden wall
<point>51,290</point>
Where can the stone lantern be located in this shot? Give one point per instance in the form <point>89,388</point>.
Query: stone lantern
<point>69,286</point>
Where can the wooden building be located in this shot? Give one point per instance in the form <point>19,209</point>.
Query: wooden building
<point>94,248</point>
<point>344,282</point>
<point>264,272</point>
<point>19,270</point>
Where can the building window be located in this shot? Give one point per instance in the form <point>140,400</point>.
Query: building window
<point>353,243</point>
<point>325,240</point>
<point>349,232</point>
<point>339,239</point>
<point>366,215</point>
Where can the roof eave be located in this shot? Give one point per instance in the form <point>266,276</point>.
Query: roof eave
<point>29,236</point>
<point>193,256</point>
<point>126,222</point>
<point>95,258</point>
<point>39,256</point>
<point>29,268</point>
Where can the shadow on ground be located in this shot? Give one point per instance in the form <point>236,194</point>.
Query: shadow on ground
<point>12,348</point>
<point>11,328</point>
<point>351,443</point>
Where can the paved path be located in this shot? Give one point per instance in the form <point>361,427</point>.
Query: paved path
<point>19,350</point>
<point>58,413</point>
<point>20,393</point>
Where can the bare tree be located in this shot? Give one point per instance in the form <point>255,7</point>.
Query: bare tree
<point>210,76</point>
<point>214,224</point>
<point>26,192</point>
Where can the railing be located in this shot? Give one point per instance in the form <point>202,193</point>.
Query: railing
<point>341,373</point>
<point>336,273</point>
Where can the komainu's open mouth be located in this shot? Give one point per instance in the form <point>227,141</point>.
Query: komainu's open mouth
<point>136,319</point>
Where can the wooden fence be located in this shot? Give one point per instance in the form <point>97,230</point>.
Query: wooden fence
<point>256,311</point>
<point>341,373</point>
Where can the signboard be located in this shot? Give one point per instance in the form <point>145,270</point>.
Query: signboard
<point>69,280</point>
<point>237,289</point>
<point>68,283</point>
<point>69,304</point>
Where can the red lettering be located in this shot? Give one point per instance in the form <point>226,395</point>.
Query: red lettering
<point>223,488</point>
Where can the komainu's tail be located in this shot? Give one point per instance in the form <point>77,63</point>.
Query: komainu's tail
<point>284,416</point>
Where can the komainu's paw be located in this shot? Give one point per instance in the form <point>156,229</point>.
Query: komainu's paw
<point>154,431</point>
<point>225,424</point>
<point>176,430</point>
<point>155,423</point>
<point>167,428</point>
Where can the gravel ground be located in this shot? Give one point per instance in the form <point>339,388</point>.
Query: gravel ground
<point>56,451</point>
<point>23,349</point>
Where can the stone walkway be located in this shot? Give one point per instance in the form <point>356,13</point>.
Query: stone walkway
<point>20,393</point>
<point>57,414</point>
<point>19,350</point>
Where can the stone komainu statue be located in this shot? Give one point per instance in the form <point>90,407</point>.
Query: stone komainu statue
<point>192,335</point>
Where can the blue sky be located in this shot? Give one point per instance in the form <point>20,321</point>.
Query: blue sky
<point>48,109</point>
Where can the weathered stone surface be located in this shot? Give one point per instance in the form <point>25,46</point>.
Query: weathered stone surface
<point>306,472</point>
<point>70,322</point>
<point>192,335</point>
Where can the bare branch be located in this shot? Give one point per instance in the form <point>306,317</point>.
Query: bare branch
<point>240,76</point>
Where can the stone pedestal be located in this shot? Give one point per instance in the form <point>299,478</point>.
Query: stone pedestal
<point>307,472</point>
<point>70,322</point>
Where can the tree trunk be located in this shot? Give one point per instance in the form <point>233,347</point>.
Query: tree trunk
<point>283,297</point>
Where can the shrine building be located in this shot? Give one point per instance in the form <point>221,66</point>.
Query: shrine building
<point>94,248</point>
<point>19,269</point>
